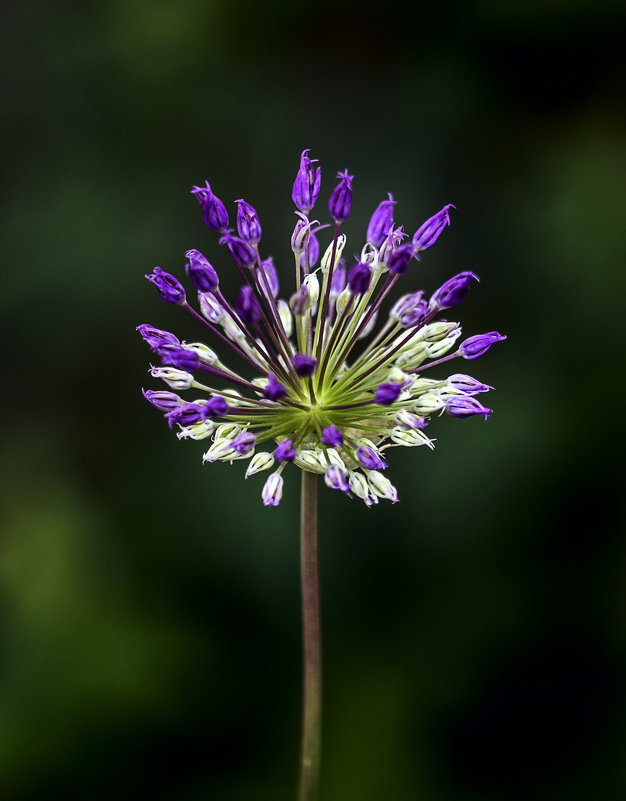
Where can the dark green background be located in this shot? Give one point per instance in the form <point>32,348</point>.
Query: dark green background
<point>149,607</point>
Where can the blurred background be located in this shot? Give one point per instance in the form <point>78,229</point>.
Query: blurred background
<point>474,634</point>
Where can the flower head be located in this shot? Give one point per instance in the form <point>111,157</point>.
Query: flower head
<point>308,380</point>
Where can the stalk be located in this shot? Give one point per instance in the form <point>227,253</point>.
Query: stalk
<point>311,642</point>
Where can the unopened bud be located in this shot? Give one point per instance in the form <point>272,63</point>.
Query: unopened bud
<point>435,331</point>
<point>203,351</point>
<point>343,299</point>
<point>285,316</point>
<point>429,403</point>
<point>438,349</point>
<point>198,431</point>
<point>381,486</point>
<point>312,460</point>
<point>300,302</point>
<point>328,253</point>
<point>176,379</point>
<point>312,284</point>
<point>273,490</point>
<point>411,438</point>
<point>358,484</point>
<point>259,462</point>
<point>210,307</point>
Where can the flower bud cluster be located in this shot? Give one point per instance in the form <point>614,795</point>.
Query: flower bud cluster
<point>307,394</point>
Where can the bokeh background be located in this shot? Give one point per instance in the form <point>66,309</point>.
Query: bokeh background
<point>474,633</point>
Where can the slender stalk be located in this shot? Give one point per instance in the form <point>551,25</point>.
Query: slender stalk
<point>311,642</point>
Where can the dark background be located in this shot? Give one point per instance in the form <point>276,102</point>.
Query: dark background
<point>474,633</point>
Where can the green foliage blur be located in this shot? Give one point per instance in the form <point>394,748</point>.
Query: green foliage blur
<point>149,606</point>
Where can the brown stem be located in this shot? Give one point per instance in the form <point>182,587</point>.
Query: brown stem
<point>311,644</point>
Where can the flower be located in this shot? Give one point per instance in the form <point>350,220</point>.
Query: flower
<point>307,380</point>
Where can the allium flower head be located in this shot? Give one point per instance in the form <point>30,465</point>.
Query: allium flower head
<point>311,381</point>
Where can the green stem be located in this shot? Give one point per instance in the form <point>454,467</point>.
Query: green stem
<point>311,643</point>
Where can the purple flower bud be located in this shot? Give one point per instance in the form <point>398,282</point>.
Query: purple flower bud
<point>210,307</point>
<point>301,233</point>
<point>274,390</point>
<point>299,301</point>
<point>186,415</point>
<point>307,185</point>
<point>154,337</point>
<point>341,197</point>
<point>400,259</point>
<point>339,280</point>
<point>202,274</point>
<point>332,437</point>
<point>243,255</point>
<point>168,287</point>
<point>381,222</point>
<point>311,252</point>
<point>247,306</point>
<point>386,394</point>
<point>359,278</point>
<point>304,365</point>
<point>467,384</point>
<point>429,232</point>
<point>162,399</point>
<point>285,452</point>
<point>409,309</point>
<point>369,459</point>
<point>243,443</point>
<point>248,225</point>
<point>465,406</point>
<point>179,357</point>
<point>216,406</point>
<point>337,478</point>
<point>453,291</point>
<point>271,276</point>
<point>272,490</point>
<point>477,346</point>
<point>215,214</point>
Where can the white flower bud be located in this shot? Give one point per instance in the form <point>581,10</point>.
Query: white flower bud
<point>397,376</point>
<point>231,328</point>
<point>381,486</point>
<point>259,462</point>
<point>436,331</point>
<point>227,431</point>
<point>411,438</point>
<point>437,349</point>
<point>221,451</point>
<point>428,403</point>
<point>312,460</point>
<point>176,379</point>
<point>344,297</point>
<point>405,419</point>
<point>285,316</point>
<point>358,485</point>
<point>333,458</point>
<point>197,431</point>
<point>203,351</point>
<point>325,263</point>
<point>312,284</point>
<point>412,357</point>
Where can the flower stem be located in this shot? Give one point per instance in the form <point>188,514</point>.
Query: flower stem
<point>311,643</point>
